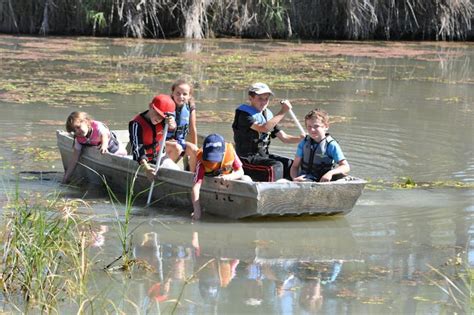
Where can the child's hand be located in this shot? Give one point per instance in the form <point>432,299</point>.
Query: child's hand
<point>103,149</point>
<point>171,122</point>
<point>65,180</point>
<point>326,177</point>
<point>224,178</point>
<point>196,215</point>
<point>301,178</point>
<point>285,105</point>
<point>149,172</point>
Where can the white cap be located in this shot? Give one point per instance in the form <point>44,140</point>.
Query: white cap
<point>260,88</point>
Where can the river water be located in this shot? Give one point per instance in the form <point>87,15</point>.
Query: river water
<point>400,111</point>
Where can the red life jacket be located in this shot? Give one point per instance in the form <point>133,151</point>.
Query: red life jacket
<point>93,139</point>
<point>151,136</point>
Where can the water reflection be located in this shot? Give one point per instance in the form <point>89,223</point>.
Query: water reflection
<point>243,269</point>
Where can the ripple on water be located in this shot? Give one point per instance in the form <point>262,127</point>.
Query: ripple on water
<point>418,206</point>
<point>374,152</point>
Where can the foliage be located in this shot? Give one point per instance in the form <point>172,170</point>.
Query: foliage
<point>312,19</point>
<point>97,19</point>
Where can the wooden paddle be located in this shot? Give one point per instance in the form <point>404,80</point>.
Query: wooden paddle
<point>158,161</point>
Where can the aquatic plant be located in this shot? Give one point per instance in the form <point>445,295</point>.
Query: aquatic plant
<point>64,72</point>
<point>125,235</point>
<point>459,287</point>
<point>409,183</point>
<point>44,257</point>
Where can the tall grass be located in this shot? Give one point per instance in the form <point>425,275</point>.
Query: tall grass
<point>45,262</point>
<point>310,19</point>
<point>44,252</point>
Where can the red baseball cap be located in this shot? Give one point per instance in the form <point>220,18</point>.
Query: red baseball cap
<point>163,105</point>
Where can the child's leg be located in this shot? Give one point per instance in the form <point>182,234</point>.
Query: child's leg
<point>122,151</point>
<point>115,147</point>
<point>246,178</point>
<point>173,150</point>
<point>191,152</point>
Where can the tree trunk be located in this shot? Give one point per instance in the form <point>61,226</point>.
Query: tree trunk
<point>45,23</point>
<point>13,15</point>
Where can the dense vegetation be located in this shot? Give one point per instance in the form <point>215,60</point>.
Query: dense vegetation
<point>306,19</point>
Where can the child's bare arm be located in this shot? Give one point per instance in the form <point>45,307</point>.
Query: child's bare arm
<point>342,168</point>
<point>234,175</point>
<point>71,165</point>
<point>196,215</point>
<point>286,138</point>
<point>269,125</point>
<point>192,136</point>
<point>104,142</point>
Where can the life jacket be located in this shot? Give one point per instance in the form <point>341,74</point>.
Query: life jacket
<point>92,138</point>
<point>182,124</point>
<point>249,141</point>
<point>224,168</point>
<point>316,162</point>
<point>151,136</point>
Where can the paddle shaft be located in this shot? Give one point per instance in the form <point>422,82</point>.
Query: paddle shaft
<point>158,161</point>
<point>297,122</point>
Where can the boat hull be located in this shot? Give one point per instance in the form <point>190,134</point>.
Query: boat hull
<point>233,199</point>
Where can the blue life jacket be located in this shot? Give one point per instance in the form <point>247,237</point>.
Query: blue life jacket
<point>316,162</point>
<point>182,125</point>
<point>249,141</point>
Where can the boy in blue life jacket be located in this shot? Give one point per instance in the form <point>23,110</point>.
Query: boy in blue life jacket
<point>254,125</point>
<point>318,157</point>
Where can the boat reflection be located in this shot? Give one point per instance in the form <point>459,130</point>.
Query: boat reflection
<point>244,269</point>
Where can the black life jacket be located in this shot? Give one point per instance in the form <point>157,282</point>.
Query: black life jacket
<point>249,141</point>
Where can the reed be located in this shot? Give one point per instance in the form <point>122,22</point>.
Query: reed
<point>44,257</point>
<point>125,234</point>
<point>459,288</point>
<point>305,19</point>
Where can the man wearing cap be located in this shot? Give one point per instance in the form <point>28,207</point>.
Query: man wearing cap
<point>254,125</point>
<point>146,132</point>
<point>217,159</point>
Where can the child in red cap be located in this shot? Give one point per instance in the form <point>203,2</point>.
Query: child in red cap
<point>146,133</point>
